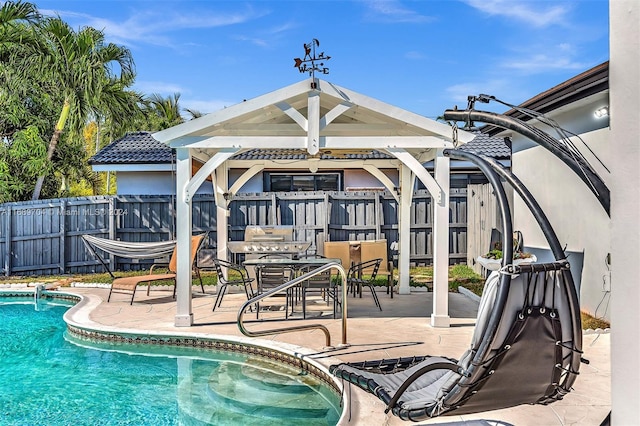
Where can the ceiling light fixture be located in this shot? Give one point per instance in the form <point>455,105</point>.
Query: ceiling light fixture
<point>602,112</point>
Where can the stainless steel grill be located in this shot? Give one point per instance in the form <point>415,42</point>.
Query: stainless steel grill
<point>268,240</point>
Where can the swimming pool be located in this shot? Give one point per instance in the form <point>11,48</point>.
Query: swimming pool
<point>49,377</point>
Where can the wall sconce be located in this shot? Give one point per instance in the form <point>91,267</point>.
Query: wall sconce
<point>602,112</point>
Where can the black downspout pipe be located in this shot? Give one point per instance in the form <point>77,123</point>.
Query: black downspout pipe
<point>584,171</point>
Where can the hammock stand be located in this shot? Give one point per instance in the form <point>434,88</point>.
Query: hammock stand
<point>131,250</point>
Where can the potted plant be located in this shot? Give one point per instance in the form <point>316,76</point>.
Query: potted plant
<point>493,259</point>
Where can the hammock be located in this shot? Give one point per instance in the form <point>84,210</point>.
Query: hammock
<point>146,250</point>
<point>131,250</point>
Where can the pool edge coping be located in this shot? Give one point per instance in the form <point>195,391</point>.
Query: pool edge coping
<point>81,326</point>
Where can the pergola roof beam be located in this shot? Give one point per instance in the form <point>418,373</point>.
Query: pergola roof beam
<point>421,173</point>
<point>384,179</point>
<point>300,142</point>
<point>251,172</point>
<point>337,111</point>
<point>294,114</point>
<point>207,169</point>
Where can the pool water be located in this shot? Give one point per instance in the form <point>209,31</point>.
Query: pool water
<point>46,379</point>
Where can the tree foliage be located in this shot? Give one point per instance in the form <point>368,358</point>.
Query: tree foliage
<point>22,159</point>
<point>56,79</point>
<point>67,92</point>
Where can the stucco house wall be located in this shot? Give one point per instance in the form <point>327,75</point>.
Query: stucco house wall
<point>576,215</point>
<point>152,183</point>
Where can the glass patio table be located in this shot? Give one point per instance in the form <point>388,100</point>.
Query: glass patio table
<point>290,263</point>
<point>295,265</point>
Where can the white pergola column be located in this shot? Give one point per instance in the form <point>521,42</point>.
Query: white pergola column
<point>184,313</point>
<point>404,228</point>
<point>624,102</point>
<point>440,315</point>
<point>222,211</point>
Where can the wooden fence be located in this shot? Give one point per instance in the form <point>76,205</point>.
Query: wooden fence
<point>45,237</point>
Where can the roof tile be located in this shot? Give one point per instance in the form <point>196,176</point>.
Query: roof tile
<point>491,146</point>
<point>142,148</point>
<point>136,147</point>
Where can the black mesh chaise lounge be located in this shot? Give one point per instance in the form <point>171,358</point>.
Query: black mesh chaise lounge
<point>526,346</point>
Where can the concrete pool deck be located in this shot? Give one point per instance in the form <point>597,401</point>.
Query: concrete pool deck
<point>401,329</point>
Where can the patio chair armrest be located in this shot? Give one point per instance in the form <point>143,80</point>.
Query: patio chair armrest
<point>158,265</point>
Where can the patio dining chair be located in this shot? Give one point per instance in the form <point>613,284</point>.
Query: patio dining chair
<point>322,283</point>
<point>272,276</point>
<point>363,274</point>
<point>229,273</point>
<point>130,284</point>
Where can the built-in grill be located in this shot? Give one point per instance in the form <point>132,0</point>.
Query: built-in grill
<point>261,240</point>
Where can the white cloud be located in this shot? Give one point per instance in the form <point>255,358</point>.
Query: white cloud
<point>538,14</point>
<point>394,12</point>
<point>414,55</point>
<point>500,88</point>
<point>270,37</point>
<point>155,26</point>
<point>205,107</point>
<point>253,40</point>
<point>542,62</point>
<point>544,59</point>
<point>160,87</point>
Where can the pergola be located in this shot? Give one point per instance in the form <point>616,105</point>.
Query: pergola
<point>315,117</point>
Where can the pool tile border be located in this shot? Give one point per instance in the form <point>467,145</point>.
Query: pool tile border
<point>204,343</point>
<point>100,336</point>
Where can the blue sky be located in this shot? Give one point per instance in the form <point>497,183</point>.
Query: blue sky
<point>423,56</point>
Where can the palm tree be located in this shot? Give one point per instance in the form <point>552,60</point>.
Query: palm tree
<point>91,75</point>
<point>167,109</point>
<point>11,15</point>
<point>193,113</point>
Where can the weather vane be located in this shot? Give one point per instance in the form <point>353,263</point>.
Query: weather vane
<point>309,63</point>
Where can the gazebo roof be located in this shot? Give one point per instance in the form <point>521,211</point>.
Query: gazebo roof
<point>316,116</point>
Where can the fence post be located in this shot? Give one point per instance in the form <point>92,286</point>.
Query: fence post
<point>328,216</point>
<point>274,208</point>
<point>7,242</point>
<point>63,234</point>
<point>111,220</point>
<point>378,215</point>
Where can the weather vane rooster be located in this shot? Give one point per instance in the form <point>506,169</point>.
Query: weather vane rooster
<point>308,62</point>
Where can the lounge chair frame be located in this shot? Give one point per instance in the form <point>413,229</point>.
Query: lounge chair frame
<point>527,344</point>
<point>130,284</point>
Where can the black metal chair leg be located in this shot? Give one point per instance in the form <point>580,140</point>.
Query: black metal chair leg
<point>375,296</point>
<point>219,297</point>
